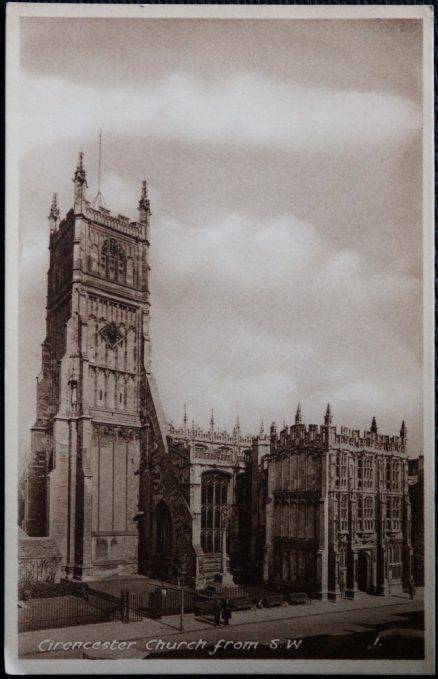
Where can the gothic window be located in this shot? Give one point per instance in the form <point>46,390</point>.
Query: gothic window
<point>396,513</point>
<point>360,472</point>
<point>359,514</point>
<point>163,529</point>
<point>343,514</point>
<point>343,471</point>
<point>388,475</point>
<point>368,472</point>
<point>214,491</point>
<point>368,514</point>
<point>396,475</point>
<point>113,260</point>
<point>337,470</point>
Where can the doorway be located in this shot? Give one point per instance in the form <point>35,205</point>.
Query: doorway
<point>362,571</point>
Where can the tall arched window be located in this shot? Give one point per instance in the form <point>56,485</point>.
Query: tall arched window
<point>113,260</point>
<point>163,529</point>
<point>214,491</point>
<point>368,513</point>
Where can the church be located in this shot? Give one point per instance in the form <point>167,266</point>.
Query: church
<point>122,491</point>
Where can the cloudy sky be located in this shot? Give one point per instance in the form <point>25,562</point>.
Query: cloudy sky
<point>284,165</point>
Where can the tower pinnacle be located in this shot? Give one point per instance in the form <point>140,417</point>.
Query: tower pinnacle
<point>373,426</point>
<point>144,206</point>
<point>80,182</point>
<point>403,433</point>
<point>54,213</point>
<point>298,415</point>
<point>328,418</point>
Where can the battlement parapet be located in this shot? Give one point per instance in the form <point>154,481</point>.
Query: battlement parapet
<point>120,223</point>
<point>197,434</point>
<point>323,436</point>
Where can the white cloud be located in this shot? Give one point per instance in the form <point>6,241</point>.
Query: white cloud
<point>267,314</point>
<point>242,109</point>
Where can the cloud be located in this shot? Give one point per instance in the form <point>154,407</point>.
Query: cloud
<point>269,313</point>
<point>245,109</point>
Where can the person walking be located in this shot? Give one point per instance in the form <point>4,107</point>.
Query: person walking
<point>342,584</point>
<point>412,588</point>
<point>217,613</point>
<point>226,611</point>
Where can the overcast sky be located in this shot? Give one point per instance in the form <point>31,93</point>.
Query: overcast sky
<point>284,166</point>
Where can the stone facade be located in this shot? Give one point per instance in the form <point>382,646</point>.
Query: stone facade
<point>212,467</point>
<point>120,490</point>
<point>99,420</point>
<point>338,512</point>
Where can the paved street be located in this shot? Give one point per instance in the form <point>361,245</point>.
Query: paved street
<point>262,625</point>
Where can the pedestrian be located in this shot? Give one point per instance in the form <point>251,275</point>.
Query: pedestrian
<point>226,611</point>
<point>412,588</point>
<point>217,613</point>
<point>342,585</point>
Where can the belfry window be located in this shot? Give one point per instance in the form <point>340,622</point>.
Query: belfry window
<point>113,260</point>
<point>214,491</point>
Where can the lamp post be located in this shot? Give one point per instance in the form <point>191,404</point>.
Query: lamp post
<point>227,578</point>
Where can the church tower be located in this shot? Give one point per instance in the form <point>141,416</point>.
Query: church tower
<point>97,405</point>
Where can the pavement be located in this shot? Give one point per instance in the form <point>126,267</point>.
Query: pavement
<point>292,622</point>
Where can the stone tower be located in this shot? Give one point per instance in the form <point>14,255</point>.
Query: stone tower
<point>97,406</point>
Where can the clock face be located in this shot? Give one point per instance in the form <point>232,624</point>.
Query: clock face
<point>112,334</point>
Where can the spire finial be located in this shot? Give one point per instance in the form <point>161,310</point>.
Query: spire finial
<point>54,209</point>
<point>328,418</point>
<point>262,428</point>
<point>298,415</point>
<point>273,430</point>
<point>80,173</point>
<point>403,432</point>
<point>185,414</point>
<point>373,426</point>
<point>53,213</point>
<point>80,182</point>
<point>238,423</point>
<point>144,206</point>
<point>212,420</point>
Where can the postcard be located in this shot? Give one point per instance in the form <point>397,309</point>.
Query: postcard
<point>219,317</point>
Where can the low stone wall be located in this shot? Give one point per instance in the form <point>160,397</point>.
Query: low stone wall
<point>39,560</point>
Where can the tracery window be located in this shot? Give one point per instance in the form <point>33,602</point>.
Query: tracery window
<point>359,514</point>
<point>214,491</point>
<point>343,471</point>
<point>113,260</point>
<point>359,472</point>
<point>396,475</point>
<point>368,514</point>
<point>368,472</point>
<point>343,513</point>
<point>396,513</point>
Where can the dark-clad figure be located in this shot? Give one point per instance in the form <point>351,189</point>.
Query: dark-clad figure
<point>217,612</point>
<point>226,611</point>
<point>412,588</point>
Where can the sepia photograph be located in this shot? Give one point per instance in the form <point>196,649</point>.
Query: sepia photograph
<point>219,353</point>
